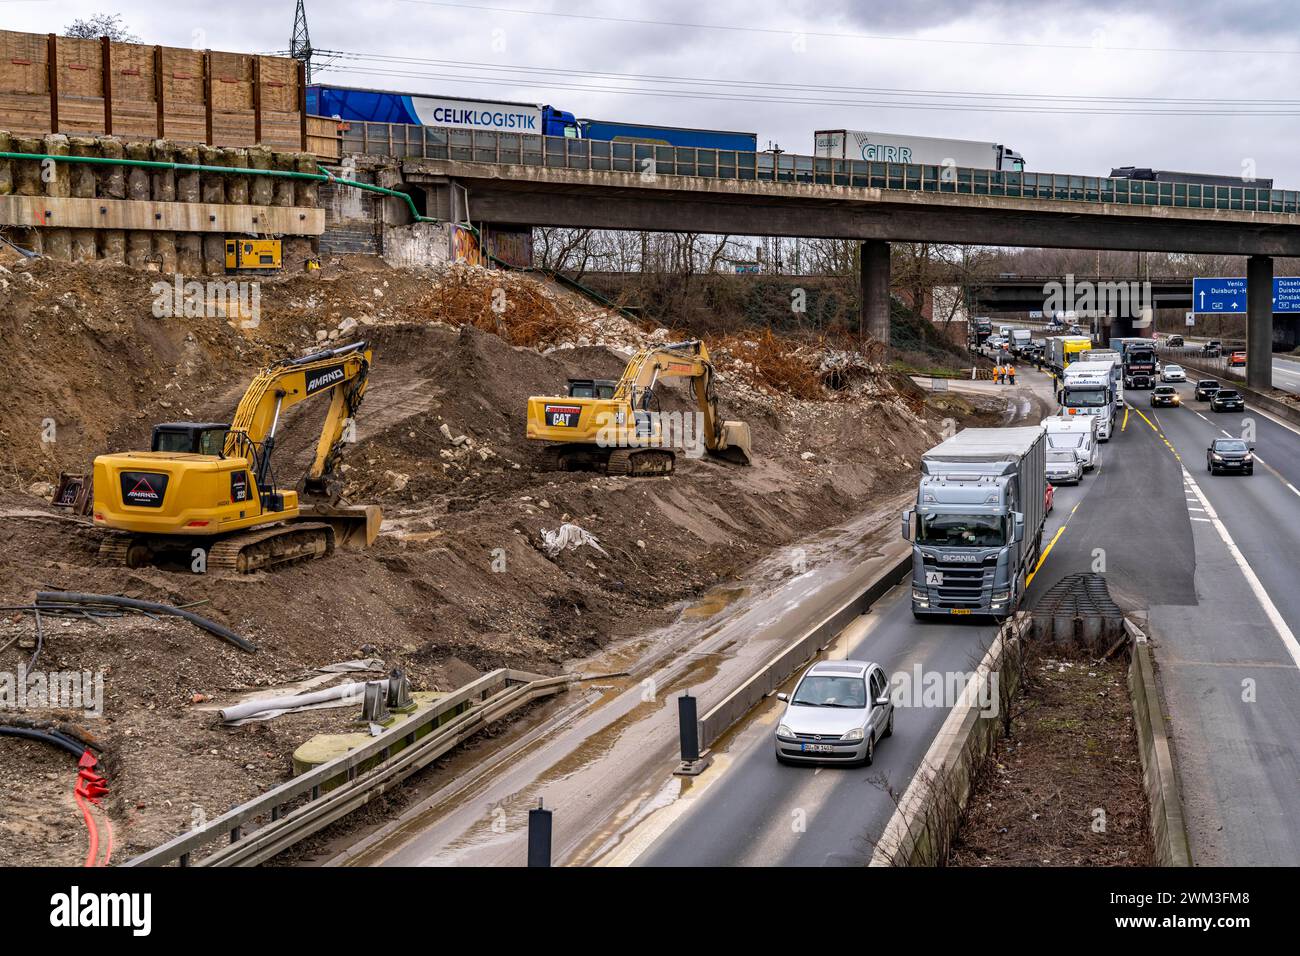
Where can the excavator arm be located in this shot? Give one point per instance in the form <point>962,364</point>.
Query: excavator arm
<point>342,371</point>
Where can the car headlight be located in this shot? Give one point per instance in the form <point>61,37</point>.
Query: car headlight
<point>1216,456</point>
<point>854,734</point>
<point>1249,457</point>
<point>784,731</point>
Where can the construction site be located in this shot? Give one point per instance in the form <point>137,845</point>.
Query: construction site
<point>461,576</point>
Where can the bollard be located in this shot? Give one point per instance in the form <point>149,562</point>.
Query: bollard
<point>688,730</point>
<point>688,735</point>
<point>539,836</point>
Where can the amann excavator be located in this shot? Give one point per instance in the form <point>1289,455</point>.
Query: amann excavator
<point>211,485</point>
<point>620,427</point>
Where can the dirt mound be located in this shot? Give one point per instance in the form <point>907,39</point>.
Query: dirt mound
<point>458,581</point>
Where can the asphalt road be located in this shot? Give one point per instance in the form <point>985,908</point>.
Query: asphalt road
<point>1228,661</point>
<point>1137,520</point>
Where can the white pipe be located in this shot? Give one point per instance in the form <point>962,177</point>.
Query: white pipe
<point>295,701</point>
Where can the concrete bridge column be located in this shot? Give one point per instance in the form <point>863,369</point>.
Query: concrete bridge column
<point>1259,322</point>
<point>873,289</point>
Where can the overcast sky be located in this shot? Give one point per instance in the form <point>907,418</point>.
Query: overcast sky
<point>1159,54</point>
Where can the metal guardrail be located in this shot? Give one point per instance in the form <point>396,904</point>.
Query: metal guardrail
<point>296,809</point>
<point>479,146</point>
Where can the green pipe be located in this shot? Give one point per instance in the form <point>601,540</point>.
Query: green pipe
<point>224,170</point>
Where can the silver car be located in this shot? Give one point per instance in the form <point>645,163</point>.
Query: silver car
<point>1173,373</point>
<point>837,713</point>
<point>1064,466</point>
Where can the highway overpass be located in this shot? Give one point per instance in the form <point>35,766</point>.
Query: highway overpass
<point>515,179</point>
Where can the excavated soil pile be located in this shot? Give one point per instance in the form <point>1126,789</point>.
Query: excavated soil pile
<point>457,582</point>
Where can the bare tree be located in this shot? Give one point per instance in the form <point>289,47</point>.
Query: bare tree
<point>101,25</point>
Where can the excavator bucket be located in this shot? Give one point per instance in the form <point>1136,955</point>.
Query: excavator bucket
<point>355,526</point>
<point>735,443</point>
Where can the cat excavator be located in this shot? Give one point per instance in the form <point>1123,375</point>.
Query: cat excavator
<point>211,485</point>
<point>620,427</point>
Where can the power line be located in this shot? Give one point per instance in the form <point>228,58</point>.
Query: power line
<point>809,87</point>
<point>811,101</point>
<point>691,25</point>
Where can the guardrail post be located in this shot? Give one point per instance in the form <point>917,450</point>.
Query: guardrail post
<point>539,836</point>
<point>688,735</point>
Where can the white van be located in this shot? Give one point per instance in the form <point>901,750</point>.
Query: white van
<point>1078,433</point>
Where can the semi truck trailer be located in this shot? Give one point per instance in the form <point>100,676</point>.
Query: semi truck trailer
<point>418,109</point>
<point>977,526</point>
<point>1064,349</point>
<point>924,150</point>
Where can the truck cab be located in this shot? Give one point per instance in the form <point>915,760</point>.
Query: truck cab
<point>976,528</point>
<point>1088,391</point>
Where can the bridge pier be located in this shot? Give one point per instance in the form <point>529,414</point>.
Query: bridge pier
<point>1259,322</point>
<point>873,289</point>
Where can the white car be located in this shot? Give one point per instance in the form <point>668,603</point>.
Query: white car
<point>1173,373</point>
<point>837,713</point>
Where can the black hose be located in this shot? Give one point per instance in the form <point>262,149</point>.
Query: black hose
<point>212,627</point>
<point>54,738</point>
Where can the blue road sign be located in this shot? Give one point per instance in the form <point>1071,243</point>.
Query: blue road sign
<point>1228,296</point>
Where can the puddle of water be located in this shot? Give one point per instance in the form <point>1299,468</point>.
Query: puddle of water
<point>714,601</point>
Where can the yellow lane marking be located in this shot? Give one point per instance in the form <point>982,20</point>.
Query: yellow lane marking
<point>1158,433</point>
<point>1047,550</point>
<point>1125,424</point>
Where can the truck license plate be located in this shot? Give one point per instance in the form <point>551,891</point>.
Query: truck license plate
<point>961,610</point>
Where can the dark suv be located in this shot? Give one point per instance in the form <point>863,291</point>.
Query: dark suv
<point>1164,395</point>
<point>1227,400</point>
<point>1205,389</point>
<point>1229,454</point>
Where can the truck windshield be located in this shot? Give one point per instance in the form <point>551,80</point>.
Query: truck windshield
<point>1086,397</point>
<point>970,531</point>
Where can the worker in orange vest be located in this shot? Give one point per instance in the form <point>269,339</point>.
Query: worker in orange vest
<point>1011,373</point>
<point>997,373</point>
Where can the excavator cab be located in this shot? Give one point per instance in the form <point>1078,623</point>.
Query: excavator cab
<point>195,438</point>
<point>592,388</point>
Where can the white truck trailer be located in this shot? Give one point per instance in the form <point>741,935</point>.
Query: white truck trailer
<point>904,148</point>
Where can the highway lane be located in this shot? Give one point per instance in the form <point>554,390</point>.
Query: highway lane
<point>1228,662</point>
<point>752,811</point>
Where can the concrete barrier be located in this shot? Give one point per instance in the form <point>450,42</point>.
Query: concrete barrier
<point>927,817</point>
<point>1164,797</point>
<point>778,670</point>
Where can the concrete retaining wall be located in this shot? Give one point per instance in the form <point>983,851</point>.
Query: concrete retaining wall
<point>1164,797</point>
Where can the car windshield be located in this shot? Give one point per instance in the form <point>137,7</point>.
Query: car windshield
<point>824,690</point>
<point>972,531</point>
<point>1061,455</point>
<point>1165,390</point>
<point>1227,393</point>
<point>1207,383</point>
<point>1086,397</point>
<point>1173,368</point>
<point>1229,445</point>
<point>1065,440</point>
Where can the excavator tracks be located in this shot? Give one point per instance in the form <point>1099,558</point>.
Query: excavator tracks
<point>639,463</point>
<point>281,544</point>
<point>240,553</point>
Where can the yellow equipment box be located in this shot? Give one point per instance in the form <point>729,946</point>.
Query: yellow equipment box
<point>252,253</point>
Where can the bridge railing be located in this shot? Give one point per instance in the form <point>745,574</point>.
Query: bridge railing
<point>480,146</point>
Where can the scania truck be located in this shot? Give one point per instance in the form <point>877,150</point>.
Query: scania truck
<point>977,526</point>
<point>1087,390</point>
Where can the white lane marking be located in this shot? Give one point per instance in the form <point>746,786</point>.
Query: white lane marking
<point>1270,609</point>
<point>1206,520</point>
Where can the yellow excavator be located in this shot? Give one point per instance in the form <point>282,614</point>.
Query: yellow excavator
<point>619,426</point>
<point>210,485</point>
